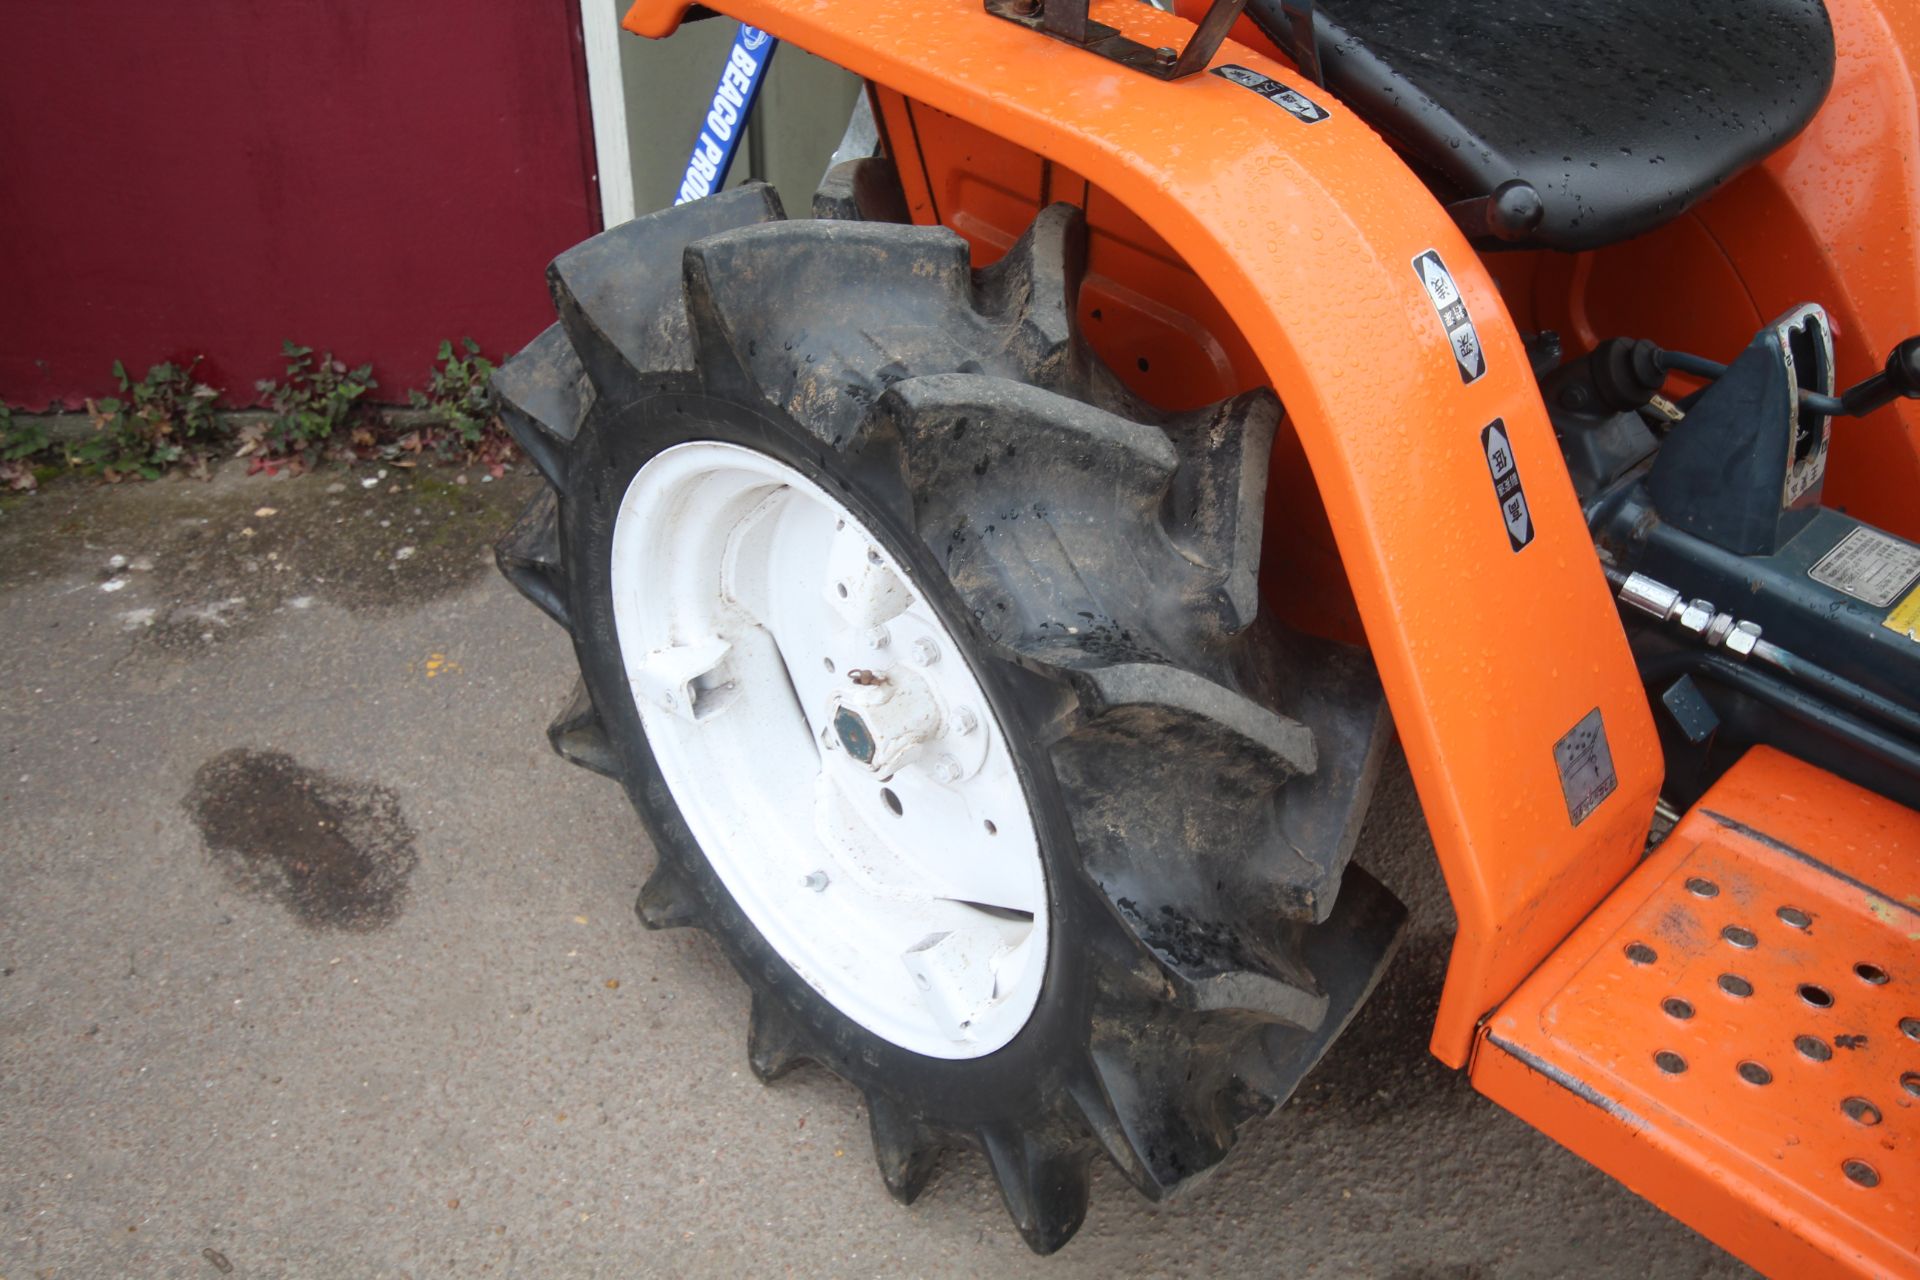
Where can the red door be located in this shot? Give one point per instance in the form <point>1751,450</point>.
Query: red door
<point>212,178</point>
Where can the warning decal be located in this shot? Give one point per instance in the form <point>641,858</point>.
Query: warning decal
<point>1452,310</point>
<point>1506,484</point>
<point>1905,616</point>
<point>1296,104</point>
<point>1870,566</point>
<point>1586,766</point>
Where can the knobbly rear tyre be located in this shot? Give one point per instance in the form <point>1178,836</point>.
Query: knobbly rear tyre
<point>1195,775</point>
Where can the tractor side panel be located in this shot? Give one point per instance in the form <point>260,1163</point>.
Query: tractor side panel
<point>1491,624</point>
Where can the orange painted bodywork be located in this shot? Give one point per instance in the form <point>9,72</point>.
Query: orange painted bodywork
<point>1293,269</point>
<point>1757,1162</point>
<point>1306,236</point>
<point>1230,246</point>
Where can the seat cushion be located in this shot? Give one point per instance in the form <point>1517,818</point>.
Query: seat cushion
<point>1619,113</point>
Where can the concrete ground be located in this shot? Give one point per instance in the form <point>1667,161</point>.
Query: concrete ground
<point>418,1032</point>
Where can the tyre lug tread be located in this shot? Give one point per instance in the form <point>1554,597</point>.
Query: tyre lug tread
<point>579,737</point>
<point>864,189</point>
<point>1043,1180</point>
<point>666,900</point>
<point>902,1147</point>
<point>618,305</point>
<point>543,396</point>
<point>529,557</point>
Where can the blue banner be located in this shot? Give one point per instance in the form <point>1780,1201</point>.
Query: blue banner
<point>726,122</point>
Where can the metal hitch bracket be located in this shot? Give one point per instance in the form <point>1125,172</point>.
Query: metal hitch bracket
<point>1067,21</point>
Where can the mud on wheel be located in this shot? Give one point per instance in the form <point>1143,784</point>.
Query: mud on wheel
<point>932,661</point>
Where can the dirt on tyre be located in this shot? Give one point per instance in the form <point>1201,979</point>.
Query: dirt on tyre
<point>933,662</point>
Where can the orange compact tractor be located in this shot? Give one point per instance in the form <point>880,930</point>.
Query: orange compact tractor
<point>997,590</point>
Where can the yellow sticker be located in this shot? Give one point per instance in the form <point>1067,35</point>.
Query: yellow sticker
<point>1905,617</point>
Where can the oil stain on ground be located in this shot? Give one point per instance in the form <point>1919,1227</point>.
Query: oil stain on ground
<point>337,854</point>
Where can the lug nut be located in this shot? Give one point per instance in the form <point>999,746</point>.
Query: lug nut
<point>946,770</point>
<point>925,652</point>
<point>964,720</point>
<point>877,638</point>
<point>814,880</point>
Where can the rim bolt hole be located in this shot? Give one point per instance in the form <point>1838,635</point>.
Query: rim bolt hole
<point>991,829</point>
<point>828,664</point>
<point>841,589</point>
<point>892,801</point>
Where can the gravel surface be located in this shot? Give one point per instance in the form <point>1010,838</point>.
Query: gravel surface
<point>419,1033</point>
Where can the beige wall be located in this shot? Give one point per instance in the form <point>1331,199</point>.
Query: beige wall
<point>798,121</point>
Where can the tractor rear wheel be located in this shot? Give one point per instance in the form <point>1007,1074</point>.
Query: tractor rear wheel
<point>932,661</point>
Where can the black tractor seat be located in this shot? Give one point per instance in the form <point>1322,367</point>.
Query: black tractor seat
<point>1618,114</point>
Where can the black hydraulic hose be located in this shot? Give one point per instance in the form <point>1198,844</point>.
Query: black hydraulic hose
<point>1815,676</point>
<point>1784,698</point>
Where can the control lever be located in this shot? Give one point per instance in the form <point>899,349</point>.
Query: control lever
<point>1901,377</point>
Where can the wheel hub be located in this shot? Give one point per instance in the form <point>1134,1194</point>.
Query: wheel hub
<point>883,719</point>
<point>831,748</point>
<point>855,738</point>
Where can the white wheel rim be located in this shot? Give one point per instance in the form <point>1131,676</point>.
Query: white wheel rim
<point>907,890</point>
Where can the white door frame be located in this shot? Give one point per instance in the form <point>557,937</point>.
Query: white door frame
<point>606,99</point>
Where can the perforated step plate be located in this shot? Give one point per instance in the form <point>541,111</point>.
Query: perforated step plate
<point>1735,1033</point>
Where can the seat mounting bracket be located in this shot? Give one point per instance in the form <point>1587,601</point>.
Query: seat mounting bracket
<point>1067,21</point>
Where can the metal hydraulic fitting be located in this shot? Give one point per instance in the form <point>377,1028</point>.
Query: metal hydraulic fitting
<point>1741,640</point>
<point>1696,617</point>
<point>1651,597</point>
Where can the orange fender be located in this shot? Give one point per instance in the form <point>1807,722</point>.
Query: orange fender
<point>1308,234</point>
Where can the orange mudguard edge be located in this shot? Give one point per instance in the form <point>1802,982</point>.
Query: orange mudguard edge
<point>1308,233</point>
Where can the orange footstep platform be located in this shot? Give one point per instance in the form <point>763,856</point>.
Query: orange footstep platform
<point>1735,1032</point>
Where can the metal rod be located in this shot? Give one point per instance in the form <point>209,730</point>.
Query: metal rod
<point>1809,710</point>
<point>1205,42</point>
<point>1817,677</point>
<point>1701,367</point>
